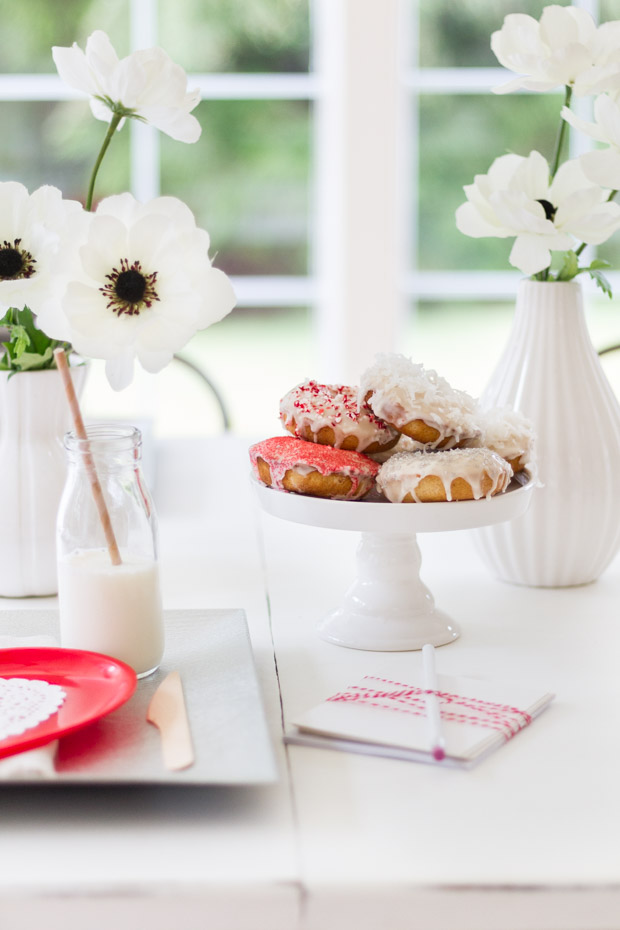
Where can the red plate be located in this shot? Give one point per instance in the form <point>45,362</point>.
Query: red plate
<point>94,684</point>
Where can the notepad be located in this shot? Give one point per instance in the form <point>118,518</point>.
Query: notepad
<point>378,716</point>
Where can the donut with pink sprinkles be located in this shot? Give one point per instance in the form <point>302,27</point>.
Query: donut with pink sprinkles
<point>330,414</point>
<point>300,467</point>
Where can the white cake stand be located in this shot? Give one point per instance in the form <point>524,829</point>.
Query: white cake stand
<point>388,607</point>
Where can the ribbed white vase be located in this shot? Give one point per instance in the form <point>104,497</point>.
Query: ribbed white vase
<point>34,416</point>
<point>551,372</point>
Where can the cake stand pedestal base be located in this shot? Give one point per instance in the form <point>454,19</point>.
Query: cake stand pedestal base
<point>388,608</point>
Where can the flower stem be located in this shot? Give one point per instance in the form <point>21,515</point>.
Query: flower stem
<point>116,118</point>
<point>559,144</point>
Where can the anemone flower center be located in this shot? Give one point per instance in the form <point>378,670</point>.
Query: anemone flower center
<point>549,209</point>
<point>129,289</point>
<point>15,262</point>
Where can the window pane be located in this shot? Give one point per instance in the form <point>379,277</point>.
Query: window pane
<point>239,35</point>
<point>458,32</point>
<point>57,143</point>
<point>460,136</point>
<point>30,29</point>
<point>608,10</point>
<point>255,356</point>
<point>247,181</point>
<point>461,340</point>
<point>610,251</point>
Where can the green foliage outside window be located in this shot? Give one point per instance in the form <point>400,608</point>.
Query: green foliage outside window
<point>246,179</point>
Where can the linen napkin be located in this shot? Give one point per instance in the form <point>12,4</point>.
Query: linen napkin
<point>32,763</point>
<point>377,716</point>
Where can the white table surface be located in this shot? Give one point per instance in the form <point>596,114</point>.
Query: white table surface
<point>528,840</point>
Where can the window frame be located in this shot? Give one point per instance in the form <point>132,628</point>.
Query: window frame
<point>364,84</point>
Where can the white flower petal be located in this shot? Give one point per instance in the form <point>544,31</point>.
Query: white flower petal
<point>518,32</point>
<point>532,176</point>
<point>74,69</point>
<point>471,222</point>
<point>162,335</point>
<point>176,280</point>
<point>595,226</point>
<point>100,54</point>
<point>570,178</point>
<point>603,167</point>
<point>153,362</point>
<point>607,117</point>
<point>566,64</point>
<point>524,83</point>
<point>146,238</point>
<point>221,298</point>
<point>502,170</point>
<point>119,371</point>
<point>589,129</point>
<point>107,243</point>
<point>123,207</point>
<point>530,254</point>
<point>577,204</point>
<point>91,321</point>
<point>178,125</point>
<point>14,209</point>
<point>51,318</point>
<point>562,27</point>
<point>176,210</point>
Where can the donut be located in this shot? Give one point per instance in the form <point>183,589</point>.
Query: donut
<point>453,475</point>
<point>290,464</point>
<point>329,414</point>
<point>404,444</point>
<point>510,434</point>
<point>419,403</point>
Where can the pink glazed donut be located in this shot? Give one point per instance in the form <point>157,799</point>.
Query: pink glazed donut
<point>290,464</point>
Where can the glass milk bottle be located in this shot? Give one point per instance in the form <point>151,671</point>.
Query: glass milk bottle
<point>105,607</point>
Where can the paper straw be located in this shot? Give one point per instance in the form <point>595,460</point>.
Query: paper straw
<point>433,714</point>
<point>76,414</point>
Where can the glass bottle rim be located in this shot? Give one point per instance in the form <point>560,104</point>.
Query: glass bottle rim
<point>116,438</point>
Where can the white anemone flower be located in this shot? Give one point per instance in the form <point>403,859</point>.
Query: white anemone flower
<point>146,85</point>
<point>37,232</point>
<point>601,165</point>
<point>142,287</point>
<point>516,199</point>
<point>564,49</point>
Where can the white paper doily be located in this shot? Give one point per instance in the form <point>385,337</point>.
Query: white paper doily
<point>25,702</point>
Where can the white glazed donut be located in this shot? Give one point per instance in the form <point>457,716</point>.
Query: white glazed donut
<point>454,475</point>
<point>510,434</point>
<point>419,403</point>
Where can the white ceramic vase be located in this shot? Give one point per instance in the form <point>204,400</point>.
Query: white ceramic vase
<point>34,415</point>
<point>551,372</point>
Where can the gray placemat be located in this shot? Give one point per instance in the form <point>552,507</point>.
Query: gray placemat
<point>212,651</point>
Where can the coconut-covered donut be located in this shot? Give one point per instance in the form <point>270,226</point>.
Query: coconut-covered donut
<point>291,464</point>
<point>510,434</point>
<point>329,414</point>
<point>455,475</point>
<point>419,403</point>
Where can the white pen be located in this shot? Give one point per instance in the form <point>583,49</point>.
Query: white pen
<point>433,715</point>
